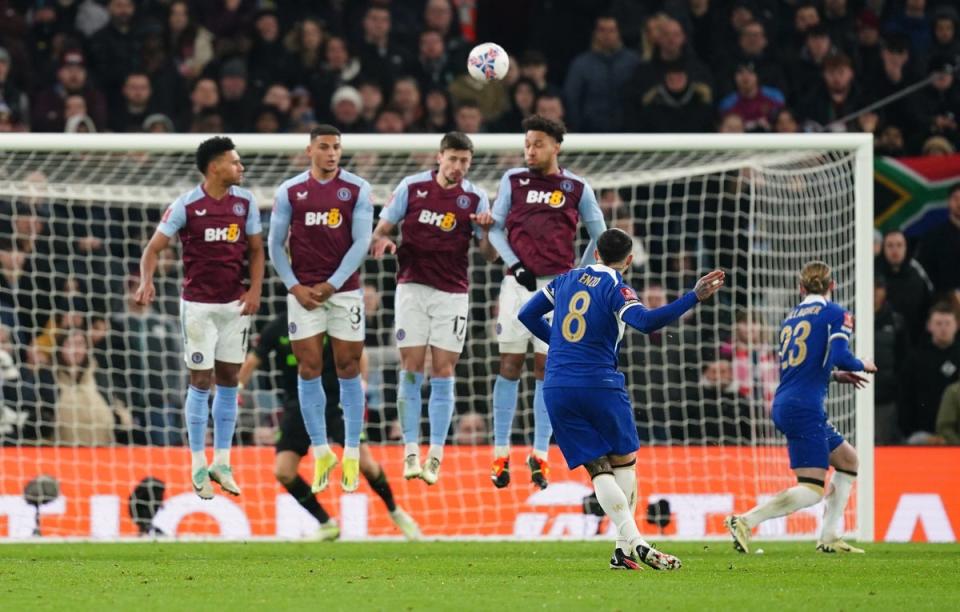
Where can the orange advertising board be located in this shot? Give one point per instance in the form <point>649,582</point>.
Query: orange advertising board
<point>701,484</point>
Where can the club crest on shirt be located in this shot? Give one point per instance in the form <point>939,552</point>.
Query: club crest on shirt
<point>628,293</point>
<point>239,209</point>
<point>343,194</point>
<point>848,322</point>
<point>463,202</point>
<point>401,334</point>
<point>566,185</point>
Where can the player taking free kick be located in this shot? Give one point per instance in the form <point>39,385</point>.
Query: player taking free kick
<point>814,339</point>
<point>219,225</point>
<point>325,217</point>
<point>585,394</point>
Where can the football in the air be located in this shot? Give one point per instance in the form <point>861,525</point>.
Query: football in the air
<point>488,62</point>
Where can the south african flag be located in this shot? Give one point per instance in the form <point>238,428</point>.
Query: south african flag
<point>910,193</point>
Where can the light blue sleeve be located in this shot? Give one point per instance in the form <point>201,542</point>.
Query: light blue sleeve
<point>277,238</point>
<point>361,231</point>
<point>254,226</point>
<point>396,208</point>
<point>482,207</point>
<point>173,219</point>
<point>592,217</point>
<point>501,206</point>
<point>498,233</point>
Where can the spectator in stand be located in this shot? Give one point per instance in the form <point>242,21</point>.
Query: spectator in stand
<point>278,96</point>
<point>389,121</point>
<point>533,66</point>
<point>837,96</point>
<point>207,122</point>
<point>948,415</point>
<point>190,45</point>
<point>550,106</point>
<point>675,105</point>
<point>468,118</point>
<point>268,120</point>
<point>840,24</point>
<point>929,368</point>
<point>302,116</point>
<point>714,413</point>
<point>438,116</point>
<point>27,399</point>
<point>868,43</point>
<point>806,69</point>
<point>936,108</point>
<point>433,67</point>
<point>236,102</point>
<point>471,430</point>
<point>168,86</point>
<point>438,16</point>
<point>896,73</point>
<point>158,123</point>
<point>266,62</point>
<point>946,42</point>
<point>304,59</point>
<point>372,97</point>
<point>753,47</point>
<point>940,249</point>
<point>890,346</point>
<point>84,417</point>
<point>753,102</point>
<point>345,105</point>
<point>205,97</point>
<point>146,369</point>
<point>523,96</point>
<point>913,21</point>
<point>937,145</point>
<point>6,120</point>
<point>406,97</point>
<point>136,104</point>
<point>338,68</point>
<point>10,95</point>
<point>756,368</point>
<point>670,52</point>
<point>115,49</point>
<point>596,78</point>
<point>908,288</point>
<point>381,58</point>
<point>806,16</point>
<point>48,106</point>
<point>731,123</point>
<point>785,122</point>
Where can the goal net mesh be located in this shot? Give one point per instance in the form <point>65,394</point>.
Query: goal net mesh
<point>93,388</point>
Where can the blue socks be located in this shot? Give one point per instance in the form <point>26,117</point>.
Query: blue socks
<point>224,417</point>
<point>542,428</point>
<point>313,407</point>
<point>409,404</point>
<point>352,400</point>
<point>504,407</point>
<point>440,408</point>
<point>197,411</point>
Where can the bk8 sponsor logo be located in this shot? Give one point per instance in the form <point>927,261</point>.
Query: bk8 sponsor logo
<point>445,221</point>
<point>231,233</point>
<point>554,199</point>
<point>331,218</point>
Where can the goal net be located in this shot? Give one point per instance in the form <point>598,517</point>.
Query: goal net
<point>93,387</point>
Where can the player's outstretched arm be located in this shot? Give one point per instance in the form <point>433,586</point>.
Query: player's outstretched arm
<point>639,317</point>
<point>842,359</point>
<point>531,315</point>
<point>148,265</point>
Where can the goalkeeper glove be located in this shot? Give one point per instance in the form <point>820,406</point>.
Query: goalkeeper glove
<point>525,277</point>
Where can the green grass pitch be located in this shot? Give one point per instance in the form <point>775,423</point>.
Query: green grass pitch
<point>469,576</point>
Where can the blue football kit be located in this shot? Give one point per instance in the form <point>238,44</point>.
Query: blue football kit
<point>586,395</point>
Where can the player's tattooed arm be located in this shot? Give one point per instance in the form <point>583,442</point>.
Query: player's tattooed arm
<point>709,284</point>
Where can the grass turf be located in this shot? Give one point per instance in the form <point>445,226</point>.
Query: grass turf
<point>468,576</point>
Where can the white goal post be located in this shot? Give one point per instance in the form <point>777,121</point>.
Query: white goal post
<point>758,205</point>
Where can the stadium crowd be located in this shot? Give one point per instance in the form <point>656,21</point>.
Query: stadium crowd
<point>83,364</point>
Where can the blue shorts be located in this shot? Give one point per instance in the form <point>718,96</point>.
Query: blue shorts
<point>589,423</point>
<point>810,436</point>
